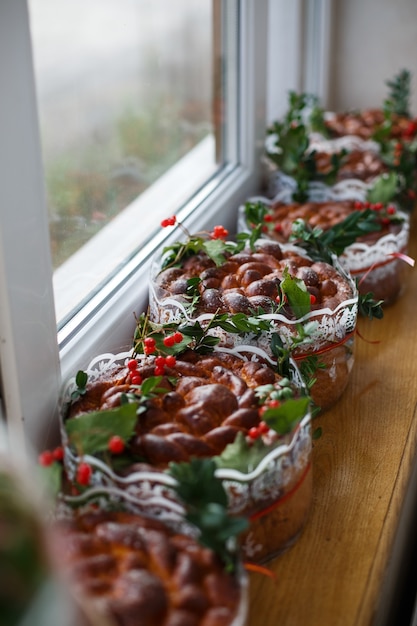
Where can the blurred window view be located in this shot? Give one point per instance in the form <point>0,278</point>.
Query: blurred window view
<point>126,89</point>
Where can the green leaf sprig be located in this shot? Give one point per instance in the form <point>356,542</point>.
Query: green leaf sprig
<point>369,307</point>
<point>205,500</point>
<point>291,148</point>
<point>150,388</point>
<point>81,381</point>
<point>399,96</point>
<point>295,292</point>
<point>194,335</point>
<point>321,244</point>
<point>89,433</point>
<point>303,337</point>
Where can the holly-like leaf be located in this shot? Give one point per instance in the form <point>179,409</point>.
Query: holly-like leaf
<point>197,484</point>
<point>81,382</point>
<point>89,433</point>
<point>241,456</point>
<point>384,189</point>
<point>284,418</point>
<point>206,502</point>
<point>297,294</point>
<point>215,249</point>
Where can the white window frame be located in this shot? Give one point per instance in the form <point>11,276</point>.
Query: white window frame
<point>31,363</point>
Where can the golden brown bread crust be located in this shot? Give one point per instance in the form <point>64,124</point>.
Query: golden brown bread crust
<point>208,401</point>
<point>249,280</point>
<point>138,572</point>
<point>365,123</point>
<point>364,165</point>
<point>321,214</point>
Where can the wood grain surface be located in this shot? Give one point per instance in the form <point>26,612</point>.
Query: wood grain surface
<point>362,463</point>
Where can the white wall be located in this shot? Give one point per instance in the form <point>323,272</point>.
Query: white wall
<point>372,40</point>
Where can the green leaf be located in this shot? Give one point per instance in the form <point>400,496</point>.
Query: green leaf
<point>81,379</point>
<point>51,477</point>
<point>150,385</point>
<point>241,456</point>
<point>297,294</point>
<point>369,307</point>
<point>384,189</point>
<point>215,249</point>
<point>197,484</point>
<point>89,433</point>
<point>284,418</point>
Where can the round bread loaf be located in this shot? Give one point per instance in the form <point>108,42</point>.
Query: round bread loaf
<point>249,282</point>
<point>135,571</point>
<point>372,259</point>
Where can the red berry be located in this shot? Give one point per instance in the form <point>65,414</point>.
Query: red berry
<point>149,341</point>
<point>159,371</point>
<point>385,221</point>
<point>84,472</point>
<point>273,404</point>
<point>268,218</point>
<point>277,228</point>
<point>116,444</point>
<point>170,360</point>
<point>46,458</point>
<point>160,361</point>
<point>313,298</point>
<point>149,349</point>
<point>358,205</point>
<point>169,341</point>
<point>132,365</point>
<point>58,453</point>
<point>391,210</point>
<point>254,432</point>
<point>178,337</point>
<point>377,206</point>
<point>219,232</point>
<point>169,221</point>
<point>136,378</point>
<point>263,427</point>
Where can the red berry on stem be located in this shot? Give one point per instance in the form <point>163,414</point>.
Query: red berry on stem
<point>178,337</point>
<point>169,341</point>
<point>160,361</point>
<point>159,371</point>
<point>84,472</point>
<point>58,453</point>
<point>254,432</point>
<point>46,458</point>
<point>132,364</point>
<point>135,378</point>
<point>170,360</point>
<point>116,444</point>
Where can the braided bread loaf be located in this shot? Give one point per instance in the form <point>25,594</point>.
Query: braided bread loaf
<point>135,571</point>
<point>207,401</point>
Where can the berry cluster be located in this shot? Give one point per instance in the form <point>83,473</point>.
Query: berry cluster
<point>387,213</point>
<point>218,232</point>
<point>47,457</point>
<point>169,221</point>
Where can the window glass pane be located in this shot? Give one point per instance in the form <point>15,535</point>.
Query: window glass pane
<point>125,91</point>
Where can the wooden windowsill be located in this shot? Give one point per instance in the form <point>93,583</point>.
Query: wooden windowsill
<point>344,568</point>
